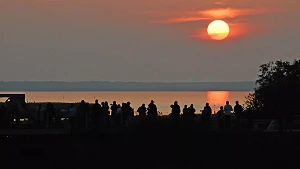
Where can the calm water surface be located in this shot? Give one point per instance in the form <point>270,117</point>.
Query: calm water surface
<point>163,100</point>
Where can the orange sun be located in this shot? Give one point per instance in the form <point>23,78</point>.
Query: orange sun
<point>218,30</point>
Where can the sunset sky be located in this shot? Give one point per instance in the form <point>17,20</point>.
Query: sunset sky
<point>143,40</point>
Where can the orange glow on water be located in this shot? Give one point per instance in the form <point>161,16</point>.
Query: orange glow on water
<point>163,100</point>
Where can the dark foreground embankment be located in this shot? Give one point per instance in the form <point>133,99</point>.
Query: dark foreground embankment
<point>153,150</point>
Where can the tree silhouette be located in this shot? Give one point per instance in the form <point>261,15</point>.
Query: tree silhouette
<point>278,89</point>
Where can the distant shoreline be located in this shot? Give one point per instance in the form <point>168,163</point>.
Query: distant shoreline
<point>125,86</point>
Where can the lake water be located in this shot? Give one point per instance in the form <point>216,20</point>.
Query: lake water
<point>163,100</point>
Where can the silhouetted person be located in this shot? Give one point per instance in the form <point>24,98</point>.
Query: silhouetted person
<point>81,114</point>
<point>207,114</point>
<point>104,114</point>
<point>238,110</point>
<point>185,115</point>
<point>175,114</point>
<point>125,113</point>
<point>130,113</point>
<point>113,109</point>
<point>152,111</point>
<point>220,115</point>
<point>107,108</point>
<point>142,112</point>
<point>107,113</point>
<point>192,111</point>
<point>72,115</point>
<point>119,114</point>
<point>228,109</point>
<point>185,111</point>
<point>96,113</point>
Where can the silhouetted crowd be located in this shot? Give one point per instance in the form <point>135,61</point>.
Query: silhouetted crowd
<point>102,115</point>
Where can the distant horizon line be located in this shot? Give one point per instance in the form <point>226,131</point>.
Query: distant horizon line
<point>129,81</point>
<point>125,86</point>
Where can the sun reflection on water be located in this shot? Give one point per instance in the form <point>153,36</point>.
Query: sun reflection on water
<point>217,98</point>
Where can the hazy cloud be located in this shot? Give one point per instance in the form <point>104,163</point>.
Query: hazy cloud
<point>223,13</point>
<point>235,18</point>
<point>220,13</point>
<point>219,3</point>
<point>186,19</point>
